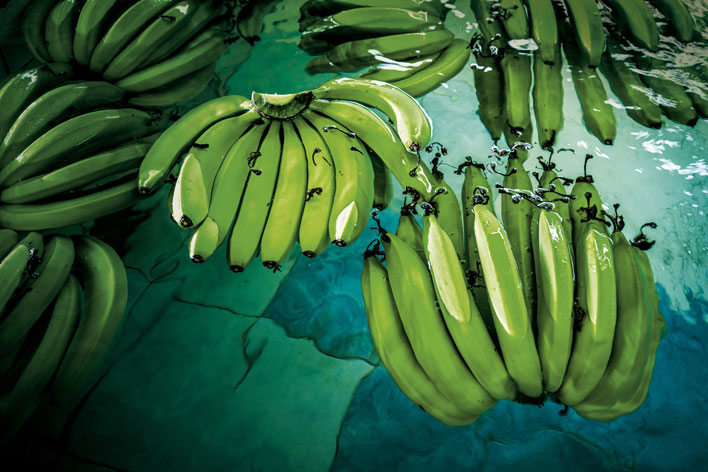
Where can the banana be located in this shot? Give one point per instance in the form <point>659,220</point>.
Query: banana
<point>195,181</point>
<point>514,19</point>
<point>176,66</point>
<point>410,232</point>
<point>105,296</point>
<point>92,20</point>
<point>27,392</point>
<point>249,21</point>
<point>488,24</point>
<point>8,240</point>
<point>53,270</point>
<point>636,21</point>
<point>395,351</point>
<point>448,65</point>
<point>59,30</point>
<point>256,201</point>
<point>555,282</point>
<point>678,18</point>
<point>544,30</point>
<point>40,216</point>
<point>397,70</point>
<point>328,7</point>
<point>176,139</point>
<point>676,104</point>
<point>55,106</point>
<point>461,315</point>
<point>282,228</point>
<point>124,29</point>
<point>589,31</point>
<point>228,189</point>
<point>548,98</point>
<point>412,123</point>
<point>143,45</point>
<point>517,219</point>
<point>314,225</point>
<point>20,90</point>
<point>353,180</point>
<point>74,138</point>
<point>33,23</point>
<point>354,55</point>
<point>524,137</point>
<point>12,267</point>
<point>414,295</point>
<point>630,89</point>
<point>516,68</point>
<point>550,177</point>
<point>175,92</point>
<point>489,88</point>
<point>73,176</point>
<point>506,297</point>
<point>383,182</point>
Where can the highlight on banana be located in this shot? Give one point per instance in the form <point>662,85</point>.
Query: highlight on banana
<point>404,41</point>
<point>273,170</point>
<point>62,301</point>
<point>545,303</point>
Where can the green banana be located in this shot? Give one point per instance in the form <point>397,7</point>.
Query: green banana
<point>511,318</point>
<point>175,92</point>
<point>176,139</point>
<point>105,296</point>
<point>548,98</point>
<point>353,180</point>
<point>461,315</point>
<point>679,19</point>
<point>383,182</point>
<point>412,123</point>
<point>398,70</point>
<point>521,138</point>
<point>328,7</point>
<point>555,282</point>
<point>283,225</point>
<point>8,240</point>
<point>544,30</point>
<point>59,30</point>
<point>124,29</point>
<point>92,21</point>
<point>33,29</point>
<point>589,31</point>
<point>40,216</point>
<point>516,68</point>
<point>395,351</point>
<point>514,19</point>
<point>489,88</point>
<point>255,202</point>
<point>676,103</point>
<point>627,85</point>
<point>195,181</point>
<point>20,90</point>
<point>52,107</point>
<point>12,267</point>
<point>636,21</point>
<point>488,24</point>
<point>249,21</point>
<point>27,392</point>
<point>451,61</point>
<point>74,138</point>
<point>550,177</point>
<point>314,225</point>
<point>229,186</point>
<point>414,295</point>
<point>410,232</point>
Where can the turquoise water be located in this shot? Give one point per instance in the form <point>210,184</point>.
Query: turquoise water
<point>262,371</point>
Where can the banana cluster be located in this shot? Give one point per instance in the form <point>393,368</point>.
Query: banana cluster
<point>304,167</point>
<point>504,74</point>
<point>405,40</point>
<point>70,149</point>
<point>545,302</point>
<point>62,301</point>
<point>160,52</point>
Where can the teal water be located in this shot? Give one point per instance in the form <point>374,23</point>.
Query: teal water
<point>276,372</point>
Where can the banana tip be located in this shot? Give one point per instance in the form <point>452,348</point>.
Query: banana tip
<point>693,122</point>
<point>144,191</point>
<point>270,264</point>
<point>310,254</point>
<point>340,242</point>
<point>185,222</point>
<point>197,258</point>
<point>608,142</point>
<point>237,268</point>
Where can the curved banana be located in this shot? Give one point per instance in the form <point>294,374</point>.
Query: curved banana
<point>516,68</point>
<point>105,296</point>
<point>33,23</point>
<point>282,228</point>
<point>412,123</point>
<point>12,267</point>
<point>90,23</point>
<point>451,61</point>
<point>550,177</point>
<point>506,297</point>
<point>314,225</point>
<point>544,30</point>
<point>327,7</point>
<point>397,70</point>
<point>414,295</point>
<point>59,30</point>
<point>175,92</point>
<point>395,351</point>
<point>489,88</point>
<point>548,98</point>
<point>383,182</point>
<point>249,21</point>
<point>679,19</point>
<point>74,138</point>
<point>514,19</point>
<point>636,21</point>
<point>676,103</point>
<point>8,240</point>
<point>255,202</point>
<point>488,24</point>
<point>176,139</point>
<point>589,31</point>
<point>410,232</point>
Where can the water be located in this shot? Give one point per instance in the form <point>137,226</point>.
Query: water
<point>217,371</point>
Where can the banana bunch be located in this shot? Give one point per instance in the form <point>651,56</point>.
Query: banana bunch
<point>160,52</point>
<point>280,169</point>
<point>545,302</point>
<point>404,40</point>
<point>70,149</point>
<point>62,301</point>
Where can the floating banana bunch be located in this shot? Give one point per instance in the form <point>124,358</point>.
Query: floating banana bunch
<point>63,301</point>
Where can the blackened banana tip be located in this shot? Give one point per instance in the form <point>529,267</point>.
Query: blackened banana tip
<point>310,254</point>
